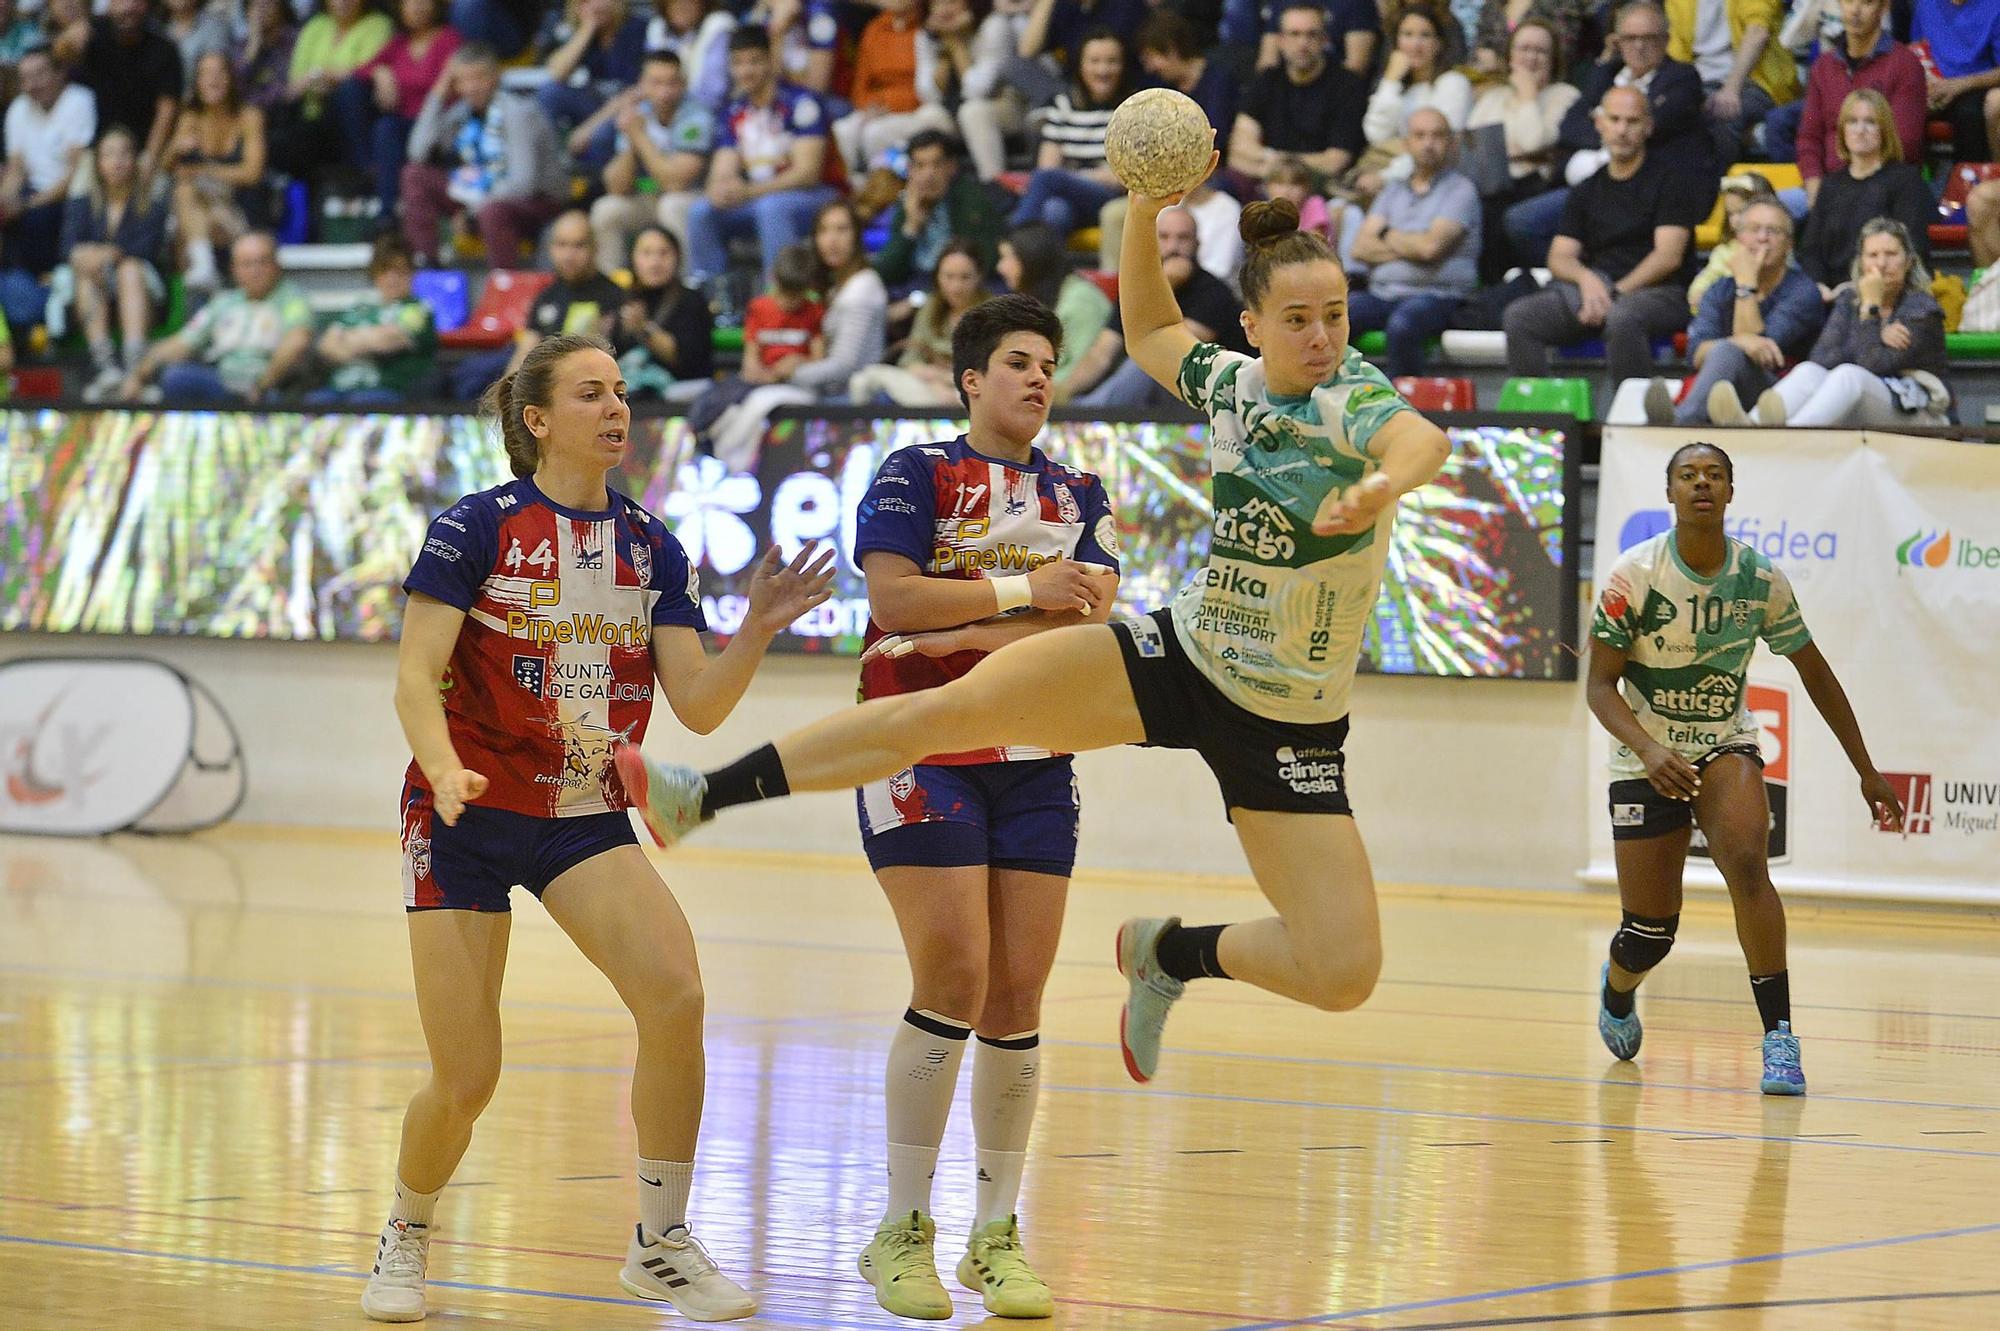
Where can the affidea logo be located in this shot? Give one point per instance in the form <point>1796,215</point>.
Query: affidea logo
<point>1780,540</point>
<point>1937,549</point>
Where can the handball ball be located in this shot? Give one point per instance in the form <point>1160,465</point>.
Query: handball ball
<point>1158,143</point>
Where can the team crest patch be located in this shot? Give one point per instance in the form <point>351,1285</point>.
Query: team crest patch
<point>1628,815</point>
<point>417,847</point>
<point>901,784</point>
<point>694,584</point>
<point>642,563</point>
<point>531,673</point>
<point>1066,505</point>
<point>1741,613</point>
<point>1107,535</point>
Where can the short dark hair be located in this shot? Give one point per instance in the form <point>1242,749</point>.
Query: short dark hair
<point>1167,31</point>
<point>1674,462</point>
<point>986,325</point>
<point>477,53</point>
<point>661,57</point>
<point>390,250</point>
<point>750,37</point>
<point>796,268</point>
<point>937,138</point>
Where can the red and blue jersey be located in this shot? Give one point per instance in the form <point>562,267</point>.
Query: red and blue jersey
<point>763,136</point>
<point>955,513</point>
<point>555,661</point>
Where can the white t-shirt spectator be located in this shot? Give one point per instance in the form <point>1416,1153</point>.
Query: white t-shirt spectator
<point>45,140</point>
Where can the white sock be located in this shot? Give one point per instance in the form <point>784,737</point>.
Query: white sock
<point>916,1095</point>
<point>663,1194</point>
<point>412,1207</point>
<point>1006,1081</point>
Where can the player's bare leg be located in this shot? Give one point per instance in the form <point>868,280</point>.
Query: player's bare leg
<point>1735,814</point>
<point>1649,896</point>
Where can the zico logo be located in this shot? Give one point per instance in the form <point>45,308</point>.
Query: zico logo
<point>576,628</point>
<point>1260,527</point>
<point>1933,549</point>
<point>1971,807</point>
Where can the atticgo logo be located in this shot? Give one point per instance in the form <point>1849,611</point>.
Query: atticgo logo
<point>1926,549</point>
<point>1913,789</point>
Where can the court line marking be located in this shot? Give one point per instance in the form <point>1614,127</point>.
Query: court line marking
<point>1399,1111</point>
<point>474,1245</point>
<point>1587,1282</point>
<point>1830,1300</point>
<point>885,950</point>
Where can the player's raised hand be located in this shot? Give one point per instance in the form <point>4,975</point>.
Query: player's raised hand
<point>781,592</point>
<point>1357,508</point>
<point>453,789</point>
<point>1882,802</point>
<point>1065,584</point>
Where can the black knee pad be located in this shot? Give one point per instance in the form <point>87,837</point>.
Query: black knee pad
<point>1641,943</point>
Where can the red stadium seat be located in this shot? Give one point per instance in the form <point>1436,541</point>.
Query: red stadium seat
<point>1439,394</point>
<point>1938,131</point>
<point>38,384</point>
<point>502,310</point>
<point>1106,282</point>
<point>1949,232</point>
<point>1014,182</point>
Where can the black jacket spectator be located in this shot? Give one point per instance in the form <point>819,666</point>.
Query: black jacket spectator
<point>1833,228</point>
<point>1680,140</point>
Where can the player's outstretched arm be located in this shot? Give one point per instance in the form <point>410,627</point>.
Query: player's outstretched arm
<point>1671,775</point>
<point>1154,334</point>
<point>430,633</point>
<point>1412,451</point>
<point>990,635</point>
<point>1831,702</point>
<point>704,690</point>
<point>902,599</point>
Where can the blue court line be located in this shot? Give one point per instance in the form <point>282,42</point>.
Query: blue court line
<point>1586,1282</point>
<point>345,1273</point>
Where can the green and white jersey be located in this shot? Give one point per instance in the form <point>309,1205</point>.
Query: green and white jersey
<point>1688,642</point>
<point>1275,618</point>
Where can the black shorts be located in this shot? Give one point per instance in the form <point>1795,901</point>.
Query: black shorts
<point>1263,765</point>
<point>1640,813</point>
<point>476,863</point>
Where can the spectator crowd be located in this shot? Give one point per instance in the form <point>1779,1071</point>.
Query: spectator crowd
<point>830,184</point>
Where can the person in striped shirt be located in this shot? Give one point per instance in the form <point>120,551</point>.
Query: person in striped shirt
<point>1071,180</point>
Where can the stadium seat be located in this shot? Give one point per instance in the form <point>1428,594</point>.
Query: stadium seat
<point>41,383</point>
<point>1106,282</point>
<point>1972,346</point>
<point>1782,175</point>
<point>1085,240</point>
<point>502,310</point>
<point>445,290</point>
<point>1562,397</point>
<point>1438,394</point>
<point>1949,231</point>
<point>727,337</point>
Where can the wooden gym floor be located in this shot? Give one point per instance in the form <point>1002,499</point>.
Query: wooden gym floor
<point>206,1044</point>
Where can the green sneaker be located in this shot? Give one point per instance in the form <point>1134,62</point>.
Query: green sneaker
<point>995,1267</point>
<point>1152,991</point>
<point>900,1264</point>
<point>668,798</point>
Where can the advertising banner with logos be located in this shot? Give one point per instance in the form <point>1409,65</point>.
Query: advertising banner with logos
<point>1892,544</point>
<point>90,746</point>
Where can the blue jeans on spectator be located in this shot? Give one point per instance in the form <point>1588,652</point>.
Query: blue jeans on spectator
<point>1127,386</point>
<point>490,22</point>
<point>1725,363</point>
<point>354,397</point>
<point>1064,200</point>
<point>776,220</point>
<point>1531,226</point>
<point>477,372</point>
<point>191,381</point>
<point>376,140</point>
<point>1409,321</point>
<point>1781,131</point>
<point>568,106</point>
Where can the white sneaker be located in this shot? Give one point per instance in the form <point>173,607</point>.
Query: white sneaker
<point>395,1290</point>
<point>675,1268</point>
<point>105,385</point>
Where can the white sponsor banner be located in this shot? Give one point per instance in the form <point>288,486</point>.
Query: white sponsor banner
<point>1892,543</point>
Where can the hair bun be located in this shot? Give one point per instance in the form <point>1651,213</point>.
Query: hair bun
<point>1267,221</point>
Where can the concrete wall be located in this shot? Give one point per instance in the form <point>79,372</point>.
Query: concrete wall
<point>1454,781</point>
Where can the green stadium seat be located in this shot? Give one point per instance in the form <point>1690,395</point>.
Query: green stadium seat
<point>1561,397</point>
<point>1972,346</point>
<point>727,339</point>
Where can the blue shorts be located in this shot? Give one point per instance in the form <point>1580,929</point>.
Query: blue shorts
<point>474,865</point>
<point>1020,815</point>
